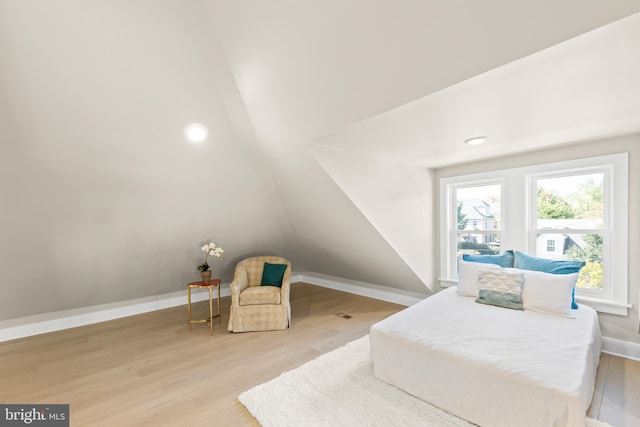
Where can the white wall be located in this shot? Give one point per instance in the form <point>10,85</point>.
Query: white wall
<point>104,201</point>
<point>396,198</point>
<point>618,327</point>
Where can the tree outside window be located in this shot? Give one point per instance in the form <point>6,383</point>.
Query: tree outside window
<point>570,208</point>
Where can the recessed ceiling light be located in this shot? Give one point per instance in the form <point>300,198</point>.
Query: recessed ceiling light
<point>196,132</point>
<point>476,140</point>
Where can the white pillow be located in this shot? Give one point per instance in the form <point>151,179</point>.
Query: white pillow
<point>548,293</point>
<point>468,277</point>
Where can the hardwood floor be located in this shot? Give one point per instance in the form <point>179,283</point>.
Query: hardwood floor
<point>150,370</point>
<point>616,398</point>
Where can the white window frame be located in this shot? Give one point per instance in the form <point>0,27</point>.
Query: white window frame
<point>517,230</point>
<point>449,235</point>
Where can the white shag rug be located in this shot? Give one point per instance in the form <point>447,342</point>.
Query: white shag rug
<point>338,389</point>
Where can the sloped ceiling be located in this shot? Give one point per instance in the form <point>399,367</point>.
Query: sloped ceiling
<point>359,85</point>
<point>104,201</point>
<point>583,88</point>
<point>306,69</point>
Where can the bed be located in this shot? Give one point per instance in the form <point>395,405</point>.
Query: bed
<point>490,365</point>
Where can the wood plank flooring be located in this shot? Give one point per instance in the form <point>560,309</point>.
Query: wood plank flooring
<point>150,370</point>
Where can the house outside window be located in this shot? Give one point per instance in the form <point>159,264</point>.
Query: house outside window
<point>477,218</point>
<point>573,210</point>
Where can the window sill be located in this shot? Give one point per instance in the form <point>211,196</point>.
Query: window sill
<point>604,306</point>
<point>447,283</point>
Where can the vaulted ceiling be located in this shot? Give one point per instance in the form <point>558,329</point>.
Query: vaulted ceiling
<point>307,70</point>
<point>324,118</point>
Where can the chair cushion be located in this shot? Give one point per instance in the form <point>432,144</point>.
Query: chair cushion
<point>255,295</point>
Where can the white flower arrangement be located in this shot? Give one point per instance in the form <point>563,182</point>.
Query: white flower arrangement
<point>210,249</point>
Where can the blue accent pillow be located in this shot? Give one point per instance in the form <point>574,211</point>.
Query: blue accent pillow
<point>526,262</point>
<point>272,274</point>
<point>503,260</point>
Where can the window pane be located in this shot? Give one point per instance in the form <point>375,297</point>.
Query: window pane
<point>576,247</point>
<point>551,245</point>
<point>478,244</point>
<point>478,208</point>
<point>573,202</point>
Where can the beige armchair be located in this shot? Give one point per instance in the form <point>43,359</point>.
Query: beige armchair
<point>255,307</point>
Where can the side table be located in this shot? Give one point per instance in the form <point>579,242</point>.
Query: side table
<point>214,283</point>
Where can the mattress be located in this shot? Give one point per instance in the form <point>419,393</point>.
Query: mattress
<point>489,365</point>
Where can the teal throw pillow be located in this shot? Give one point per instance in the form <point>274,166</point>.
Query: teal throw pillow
<point>503,260</point>
<point>526,262</point>
<point>272,274</point>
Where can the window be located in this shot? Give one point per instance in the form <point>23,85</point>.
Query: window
<point>574,210</point>
<point>477,211</point>
<point>569,207</point>
<point>551,246</point>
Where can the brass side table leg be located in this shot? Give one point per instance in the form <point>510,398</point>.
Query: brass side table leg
<point>189,305</point>
<point>211,310</point>
<point>219,313</point>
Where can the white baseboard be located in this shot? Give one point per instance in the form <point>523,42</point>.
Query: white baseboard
<point>398,296</point>
<point>50,322</point>
<point>56,321</point>
<point>626,349</point>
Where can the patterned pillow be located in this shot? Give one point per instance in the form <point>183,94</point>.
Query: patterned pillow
<point>501,288</point>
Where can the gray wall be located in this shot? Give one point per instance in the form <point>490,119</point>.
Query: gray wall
<point>620,327</point>
<point>103,200</point>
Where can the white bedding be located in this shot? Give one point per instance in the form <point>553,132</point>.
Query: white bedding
<point>490,365</point>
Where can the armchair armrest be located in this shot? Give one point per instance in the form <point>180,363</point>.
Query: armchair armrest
<point>240,282</point>
<point>286,284</point>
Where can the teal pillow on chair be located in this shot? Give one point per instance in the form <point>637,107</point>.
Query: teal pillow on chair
<point>526,262</point>
<point>272,274</point>
<point>503,260</point>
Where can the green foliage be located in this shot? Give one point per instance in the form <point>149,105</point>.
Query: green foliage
<point>203,267</point>
<point>590,276</point>
<point>592,250</point>
<point>552,206</point>
<point>462,218</point>
<point>588,200</point>
<point>585,202</point>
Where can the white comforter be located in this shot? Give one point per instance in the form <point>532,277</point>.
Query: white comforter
<point>489,365</point>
